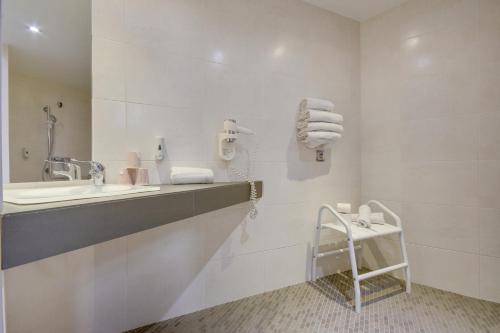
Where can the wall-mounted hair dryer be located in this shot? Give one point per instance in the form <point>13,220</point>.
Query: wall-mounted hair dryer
<point>227,138</point>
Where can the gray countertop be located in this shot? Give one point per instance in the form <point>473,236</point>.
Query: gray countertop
<point>34,232</point>
<point>9,208</point>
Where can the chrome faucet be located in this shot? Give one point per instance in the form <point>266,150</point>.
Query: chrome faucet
<point>73,171</point>
<point>96,171</point>
<point>57,168</point>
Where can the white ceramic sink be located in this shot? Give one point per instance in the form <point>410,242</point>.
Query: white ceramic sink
<point>63,192</point>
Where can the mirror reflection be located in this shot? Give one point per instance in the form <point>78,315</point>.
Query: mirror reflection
<point>46,53</point>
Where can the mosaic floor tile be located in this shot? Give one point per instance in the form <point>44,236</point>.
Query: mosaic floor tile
<point>325,306</point>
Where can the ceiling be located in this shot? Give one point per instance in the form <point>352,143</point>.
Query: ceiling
<point>62,51</point>
<point>360,10</point>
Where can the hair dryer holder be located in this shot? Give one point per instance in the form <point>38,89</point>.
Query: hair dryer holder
<point>227,139</point>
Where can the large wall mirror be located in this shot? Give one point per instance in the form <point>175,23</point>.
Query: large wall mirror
<point>46,63</point>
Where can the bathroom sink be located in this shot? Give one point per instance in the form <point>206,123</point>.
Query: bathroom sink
<point>53,193</point>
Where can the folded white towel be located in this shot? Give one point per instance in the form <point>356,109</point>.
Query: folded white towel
<point>317,104</point>
<point>323,116</point>
<point>305,126</point>
<point>180,175</point>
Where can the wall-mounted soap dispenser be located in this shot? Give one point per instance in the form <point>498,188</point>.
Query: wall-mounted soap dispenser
<point>227,139</point>
<point>159,148</point>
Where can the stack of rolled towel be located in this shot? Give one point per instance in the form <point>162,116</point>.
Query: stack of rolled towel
<point>317,124</point>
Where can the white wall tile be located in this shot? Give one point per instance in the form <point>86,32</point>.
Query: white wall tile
<point>439,139</point>
<point>489,287</point>
<point>110,286</point>
<point>381,176</point>
<point>489,223</point>
<point>444,269</point>
<point>287,266</point>
<point>489,85</point>
<point>440,183</point>
<point>489,10</point>
<point>230,33</point>
<point>108,69</point>
<point>425,97</point>
<point>443,226</point>
<point>181,129</point>
<point>155,76</point>
<point>81,287</point>
<point>38,288</point>
<point>108,19</point>
<point>162,264</point>
<point>178,26</point>
<point>109,141</point>
<point>489,138</point>
<point>237,277</point>
<point>489,183</point>
<point>229,232</point>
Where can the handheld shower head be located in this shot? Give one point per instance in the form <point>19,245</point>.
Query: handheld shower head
<point>51,119</point>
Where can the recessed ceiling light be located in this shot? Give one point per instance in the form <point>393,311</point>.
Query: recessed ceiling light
<point>34,29</point>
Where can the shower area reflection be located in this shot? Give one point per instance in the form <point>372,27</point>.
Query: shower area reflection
<point>49,124</point>
<point>57,167</point>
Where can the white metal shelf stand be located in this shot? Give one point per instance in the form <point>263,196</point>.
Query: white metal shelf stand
<point>356,233</point>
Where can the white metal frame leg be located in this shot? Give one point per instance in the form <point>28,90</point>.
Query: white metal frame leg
<point>359,255</point>
<point>405,260</point>
<point>402,244</point>
<point>315,249</point>
<point>350,247</point>
<point>355,276</point>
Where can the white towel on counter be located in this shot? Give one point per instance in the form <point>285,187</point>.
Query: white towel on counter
<point>321,116</point>
<point>305,126</point>
<point>181,175</point>
<point>317,104</point>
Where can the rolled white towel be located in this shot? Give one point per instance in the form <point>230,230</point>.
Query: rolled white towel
<point>312,144</point>
<point>364,213</point>
<point>344,207</point>
<point>316,139</point>
<point>305,126</point>
<point>317,104</point>
<point>319,135</point>
<point>321,116</point>
<point>180,175</point>
<point>375,218</point>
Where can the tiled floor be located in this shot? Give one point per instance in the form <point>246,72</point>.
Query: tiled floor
<point>325,306</point>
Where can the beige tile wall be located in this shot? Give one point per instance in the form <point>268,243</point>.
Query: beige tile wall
<point>429,136</point>
<point>178,68</point>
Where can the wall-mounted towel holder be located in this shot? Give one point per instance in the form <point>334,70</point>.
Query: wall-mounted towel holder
<point>318,126</point>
